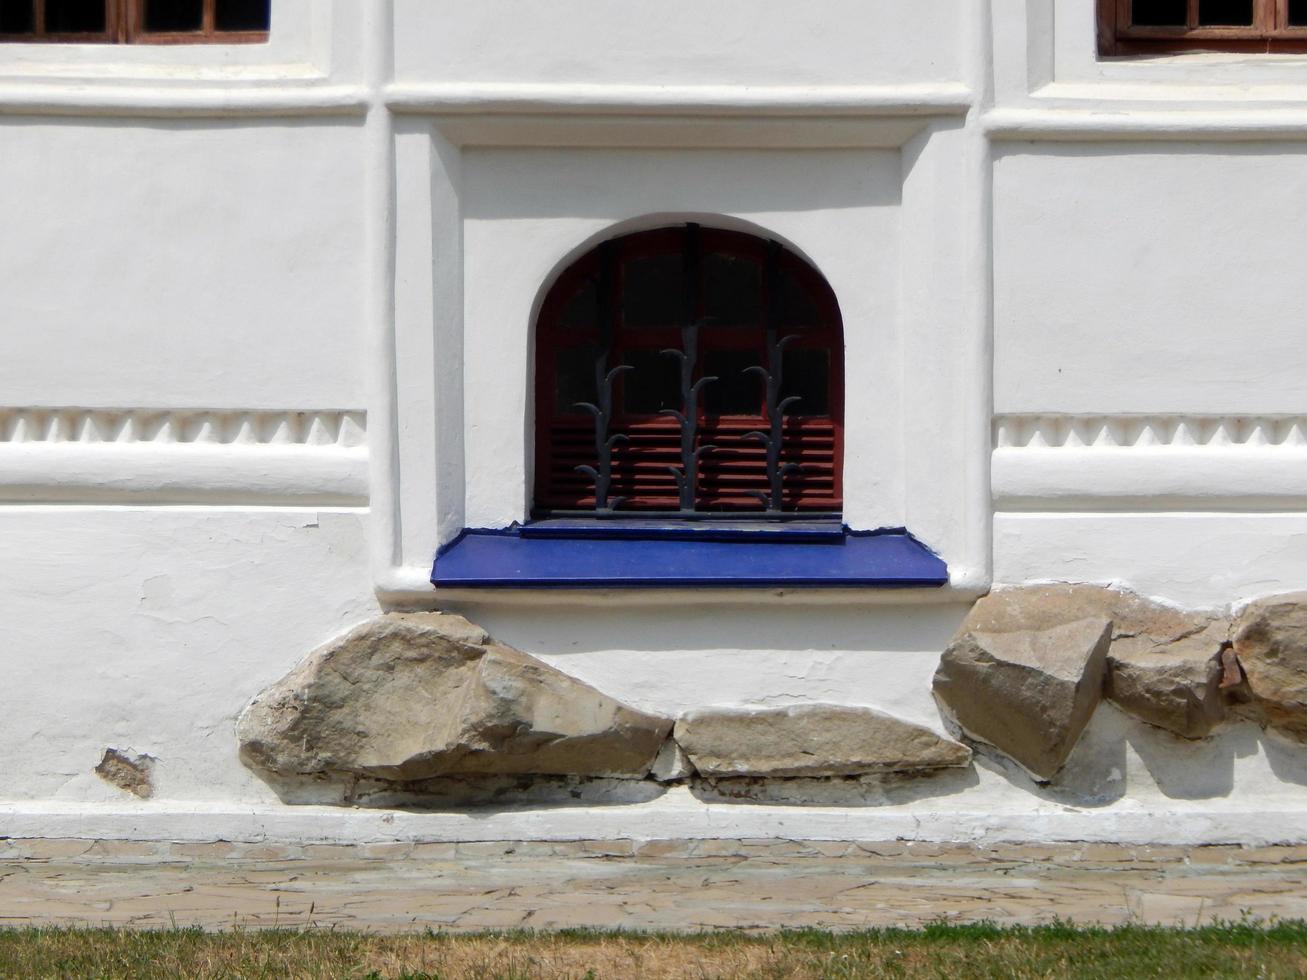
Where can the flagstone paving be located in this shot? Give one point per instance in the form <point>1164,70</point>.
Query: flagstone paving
<point>647,885</point>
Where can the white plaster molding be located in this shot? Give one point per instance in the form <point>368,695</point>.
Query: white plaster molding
<point>345,430</point>
<point>1071,125</point>
<point>949,99</point>
<point>1149,431</point>
<point>149,456</point>
<point>103,99</point>
<point>1150,463</point>
<point>584,115</point>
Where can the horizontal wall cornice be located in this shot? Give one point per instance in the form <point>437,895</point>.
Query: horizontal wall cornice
<point>1124,123</point>
<point>946,99</point>
<point>218,458</point>
<point>1150,463</point>
<point>522,115</point>
<point>106,99</point>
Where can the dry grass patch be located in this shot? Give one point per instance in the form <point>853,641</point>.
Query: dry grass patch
<point>952,952</point>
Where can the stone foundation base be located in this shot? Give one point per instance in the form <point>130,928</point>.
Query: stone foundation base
<point>672,884</point>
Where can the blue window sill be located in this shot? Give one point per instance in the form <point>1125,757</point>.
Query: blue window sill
<point>633,554</point>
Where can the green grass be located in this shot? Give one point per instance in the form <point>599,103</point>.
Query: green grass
<point>955,952</point>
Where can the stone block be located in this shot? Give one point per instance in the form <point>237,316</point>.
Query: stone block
<point>409,697</point>
<point>1028,693</point>
<point>810,740</point>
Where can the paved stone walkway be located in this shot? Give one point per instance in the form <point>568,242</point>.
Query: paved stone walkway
<point>702,884</point>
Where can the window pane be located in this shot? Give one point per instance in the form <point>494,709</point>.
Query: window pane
<point>16,17</point>
<point>1159,13</point>
<point>732,290</point>
<point>174,15</point>
<point>1225,13</point>
<point>806,374</point>
<point>574,378</point>
<point>242,15</point>
<point>653,291</point>
<point>654,384</point>
<point>582,311</point>
<point>735,392</point>
<point>796,307</point>
<point>1298,13</point>
<point>74,16</point>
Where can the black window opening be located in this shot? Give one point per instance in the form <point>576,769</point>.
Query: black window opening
<point>689,372</point>
<point>135,21</point>
<point>1153,27</point>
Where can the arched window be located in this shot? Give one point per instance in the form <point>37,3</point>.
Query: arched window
<point>689,371</point>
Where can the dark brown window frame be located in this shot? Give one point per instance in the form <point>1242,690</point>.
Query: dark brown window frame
<point>1270,32</point>
<point>125,24</point>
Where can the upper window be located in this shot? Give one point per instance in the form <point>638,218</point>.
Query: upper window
<point>689,371</point>
<point>1162,26</point>
<point>135,21</point>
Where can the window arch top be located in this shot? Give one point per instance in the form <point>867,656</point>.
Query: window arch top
<point>689,371</point>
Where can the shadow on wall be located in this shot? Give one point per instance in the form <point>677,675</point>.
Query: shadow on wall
<point>894,789</point>
<point>1100,771</point>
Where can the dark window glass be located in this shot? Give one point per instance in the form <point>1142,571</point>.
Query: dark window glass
<point>732,290</point>
<point>1298,13</point>
<point>797,308</point>
<point>1225,13</point>
<point>806,374</point>
<point>574,378</point>
<point>581,311</point>
<point>1159,13</point>
<point>174,15</point>
<point>16,17</point>
<point>653,291</point>
<point>736,391</point>
<point>74,17</point>
<point>653,384</point>
<point>242,15</point>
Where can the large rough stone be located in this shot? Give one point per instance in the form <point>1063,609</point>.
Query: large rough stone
<point>1163,664</point>
<point>1028,693</point>
<point>416,696</point>
<point>1270,640</point>
<point>811,740</point>
<point>1177,690</point>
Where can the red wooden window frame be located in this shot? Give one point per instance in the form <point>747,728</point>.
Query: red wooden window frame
<point>641,474</point>
<point>125,24</point>
<point>1270,32</point>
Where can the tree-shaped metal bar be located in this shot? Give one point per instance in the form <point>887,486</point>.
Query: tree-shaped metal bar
<point>687,474</point>
<point>773,376</point>
<point>602,472</point>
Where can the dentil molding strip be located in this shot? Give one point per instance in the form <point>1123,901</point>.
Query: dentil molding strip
<point>1149,463</point>
<point>153,456</point>
<point>1148,431</point>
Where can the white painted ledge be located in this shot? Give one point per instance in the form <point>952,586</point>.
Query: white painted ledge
<point>676,816</point>
<point>161,473</point>
<point>101,98</point>
<point>1069,125</point>
<point>709,100</point>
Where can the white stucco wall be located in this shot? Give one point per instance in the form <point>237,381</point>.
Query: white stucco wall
<point>267,320</point>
